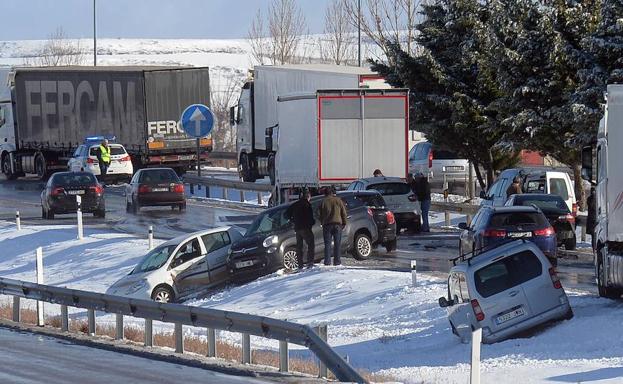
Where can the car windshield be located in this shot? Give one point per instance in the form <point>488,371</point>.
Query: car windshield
<point>158,176</point>
<point>268,222</point>
<point>114,150</point>
<point>389,189</point>
<point>544,203</point>
<point>74,179</point>
<point>154,259</point>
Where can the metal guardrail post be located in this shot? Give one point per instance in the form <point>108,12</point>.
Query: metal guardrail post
<point>241,196</point>
<point>207,191</point>
<point>149,333</point>
<point>16,309</point>
<point>321,330</point>
<point>211,342</point>
<point>225,193</point>
<point>91,321</point>
<point>118,326</point>
<point>64,318</point>
<point>179,338</point>
<point>150,238</point>
<point>18,221</point>
<point>246,348</point>
<point>447,218</point>
<point>259,198</point>
<point>39,268</point>
<point>284,360</point>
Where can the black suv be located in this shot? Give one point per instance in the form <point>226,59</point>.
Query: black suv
<point>270,242</point>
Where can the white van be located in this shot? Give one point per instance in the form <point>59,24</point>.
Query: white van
<point>534,180</point>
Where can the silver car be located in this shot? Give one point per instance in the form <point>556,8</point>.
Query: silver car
<point>438,164</point>
<point>505,290</point>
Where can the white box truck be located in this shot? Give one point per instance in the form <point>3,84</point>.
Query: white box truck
<point>333,137</point>
<point>601,165</point>
<point>255,116</point>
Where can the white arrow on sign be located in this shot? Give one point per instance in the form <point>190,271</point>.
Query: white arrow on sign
<point>197,117</point>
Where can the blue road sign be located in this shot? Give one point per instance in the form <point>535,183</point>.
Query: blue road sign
<point>197,120</point>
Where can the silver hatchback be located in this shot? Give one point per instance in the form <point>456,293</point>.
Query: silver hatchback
<point>504,291</point>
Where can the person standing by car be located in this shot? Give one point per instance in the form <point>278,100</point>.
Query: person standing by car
<point>302,214</point>
<point>422,191</point>
<point>103,157</point>
<point>591,218</point>
<point>514,188</point>
<point>332,213</point>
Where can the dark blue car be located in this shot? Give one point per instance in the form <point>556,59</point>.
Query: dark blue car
<point>496,225</point>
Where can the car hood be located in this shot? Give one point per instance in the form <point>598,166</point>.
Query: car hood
<point>129,280</point>
<point>249,242</point>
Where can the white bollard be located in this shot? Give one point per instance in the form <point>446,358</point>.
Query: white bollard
<point>39,266</point>
<point>150,238</point>
<point>18,221</point>
<point>414,272</point>
<point>474,377</point>
<point>79,214</point>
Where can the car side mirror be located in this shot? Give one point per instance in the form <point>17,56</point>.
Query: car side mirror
<point>443,302</point>
<point>462,225</point>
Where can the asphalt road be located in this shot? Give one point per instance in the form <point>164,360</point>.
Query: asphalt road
<point>28,359</point>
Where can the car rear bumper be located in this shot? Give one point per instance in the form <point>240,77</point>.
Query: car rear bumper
<point>161,199</point>
<point>69,205</point>
<point>387,234</point>
<point>407,217</point>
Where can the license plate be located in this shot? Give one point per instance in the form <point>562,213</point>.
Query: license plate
<point>509,315</point>
<point>454,168</point>
<point>520,234</point>
<point>186,157</point>
<point>80,192</point>
<point>243,264</point>
<point>160,189</point>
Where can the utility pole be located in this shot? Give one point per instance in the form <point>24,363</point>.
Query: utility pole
<point>94,37</point>
<point>358,32</point>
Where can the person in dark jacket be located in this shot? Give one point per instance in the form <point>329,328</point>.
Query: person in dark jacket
<point>332,214</point>
<point>591,218</point>
<point>514,188</point>
<point>302,215</point>
<point>422,191</point>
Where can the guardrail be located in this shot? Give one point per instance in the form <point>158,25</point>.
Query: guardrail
<point>285,332</point>
<point>226,185</point>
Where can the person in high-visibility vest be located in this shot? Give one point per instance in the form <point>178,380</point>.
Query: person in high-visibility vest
<point>103,157</point>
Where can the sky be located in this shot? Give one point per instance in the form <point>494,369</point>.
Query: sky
<point>37,19</point>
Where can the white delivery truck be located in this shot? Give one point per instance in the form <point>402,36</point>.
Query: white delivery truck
<point>255,116</point>
<point>333,137</point>
<point>601,165</point>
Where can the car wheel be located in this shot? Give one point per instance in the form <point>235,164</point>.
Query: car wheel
<point>290,261</point>
<point>390,246</point>
<point>570,244</point>
<point>163,294</point>
<point>362,248</point>
<point>569,314</point>
<point>135,207</point>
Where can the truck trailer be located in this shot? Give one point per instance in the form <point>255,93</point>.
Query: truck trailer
<point>46,112</point>
<point>255,117</point>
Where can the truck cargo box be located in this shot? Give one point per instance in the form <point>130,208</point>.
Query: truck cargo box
<point>337,136</point>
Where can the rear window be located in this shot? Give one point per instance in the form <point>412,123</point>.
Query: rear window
<point>114,150</point>
<point>441,154</point>
<point>388,189</point>
<point>507,273</point>
<point>74,179</point>
<point>372,200</point>
<point>512,219</point>
<point>544,203</point>
<point>559,187</point>
<point>159,176</point>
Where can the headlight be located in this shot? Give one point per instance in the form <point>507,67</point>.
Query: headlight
<point>136,287</point>
<point>270,241</point>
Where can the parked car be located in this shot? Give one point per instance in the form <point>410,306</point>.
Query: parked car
<point>398,198</point>
<point>179,267</point>
<point>492,226</point>
<point>534,180</point>
<point>437,163</point>
<point>59,195</point>
<point>383,218</point>
<point>155,187</point>
<point>556,211</point>
<point>269,243</point>
<point>84,159</point>
<point>505,290</point>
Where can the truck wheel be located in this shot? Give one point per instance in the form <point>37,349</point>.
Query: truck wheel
<point>602,288</point>
<point>6,168</point>
<point>362,247</point>
<point>40,167</point>
<point>271,169</point>
<point>244,169</point>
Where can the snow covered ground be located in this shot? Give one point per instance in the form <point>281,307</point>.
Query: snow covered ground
<point>375,317</point>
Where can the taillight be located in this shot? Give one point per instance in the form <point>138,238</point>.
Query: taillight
<point>125,158</point>
<point>555,279</point>
<point>549,231</point>
<point>430,159</point>
<point>98,189</point>
<point>412,198</point>
<point>391,219</point>
<point>480,315</point>
<point>179,188</point>
<point>370,212</point>
<point>57,191</point>
<point>568,217</point>
<point>574,209</point>
<point>91,161</point>
<point>144,188</point>
<point>494,233</point>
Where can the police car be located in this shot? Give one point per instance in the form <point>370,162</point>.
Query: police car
<point>85,159</point>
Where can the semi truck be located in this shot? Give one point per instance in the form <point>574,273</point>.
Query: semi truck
<point>601,165</point>
<point>334,137</point>
<point>255,117</point>
<point>46,112</point>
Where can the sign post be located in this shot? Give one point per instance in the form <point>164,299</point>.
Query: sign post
<point>197,121</point>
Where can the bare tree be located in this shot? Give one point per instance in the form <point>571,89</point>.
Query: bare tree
<point>337,45</point>
<point>280,42</point>
<point>224,94</point>
<point>58,50</point>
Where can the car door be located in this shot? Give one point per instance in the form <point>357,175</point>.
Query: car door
<point>467,236</point>
<point>189,267</point>
<point>216,246</point>
<point>533,275</point>
<point>460,313</point>
<point>129,189</point>
<point>75,163</point>
<point>558,184</point>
